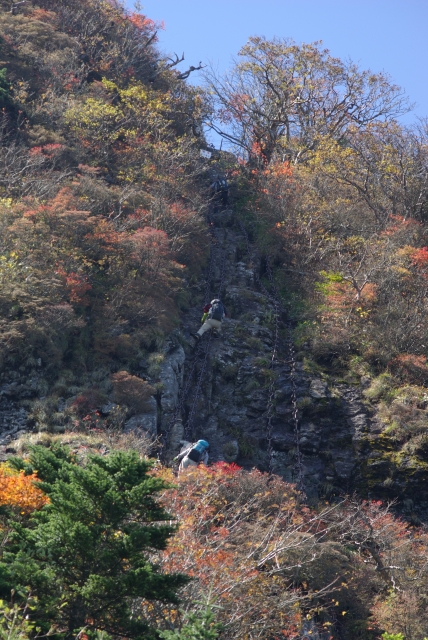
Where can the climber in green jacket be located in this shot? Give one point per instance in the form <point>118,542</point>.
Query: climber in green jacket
<point>214,312</point>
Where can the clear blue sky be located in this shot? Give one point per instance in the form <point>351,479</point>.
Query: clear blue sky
<point>381,35</point>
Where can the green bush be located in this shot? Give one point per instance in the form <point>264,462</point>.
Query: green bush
<point>4,88</point>
<point>86,555</point>
<point>198,626</point>
<point>14,620</point>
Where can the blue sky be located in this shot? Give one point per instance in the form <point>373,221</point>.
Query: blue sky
<point>382,35</point>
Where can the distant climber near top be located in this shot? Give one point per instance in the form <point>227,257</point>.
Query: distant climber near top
<point>219,191</point>
<point>214,312</point>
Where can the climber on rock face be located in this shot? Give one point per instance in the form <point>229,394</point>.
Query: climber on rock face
<point>194,454</point>
<point>214,312</point>
<point>219,191</point>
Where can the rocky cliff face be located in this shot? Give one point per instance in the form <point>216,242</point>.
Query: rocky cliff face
<point>219,390</point>
<point>230,410</point>
<point>339,433</point>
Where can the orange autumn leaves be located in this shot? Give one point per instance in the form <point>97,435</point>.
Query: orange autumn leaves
<point>19,491</point>
<point>230,523</point>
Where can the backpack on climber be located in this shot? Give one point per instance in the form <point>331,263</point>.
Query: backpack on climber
<point>214,312</point>
<point>194,454</point>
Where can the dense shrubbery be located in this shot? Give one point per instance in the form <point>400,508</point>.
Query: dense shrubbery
<point>100,225</point>
<point>86,554</point>
<point>96,553</point>
<point>273,565</point>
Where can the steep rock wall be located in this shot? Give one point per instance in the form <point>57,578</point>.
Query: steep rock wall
<point>230,410</point>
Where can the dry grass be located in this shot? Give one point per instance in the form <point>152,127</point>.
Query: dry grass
<point>82,444</point>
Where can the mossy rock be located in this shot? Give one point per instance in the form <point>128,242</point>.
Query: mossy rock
<point>231,371</point>
<point>230,451</point>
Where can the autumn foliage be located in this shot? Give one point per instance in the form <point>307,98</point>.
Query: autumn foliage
<point>268,564</point>
<point>100,202</point>
<point>102,239</point>
<point>131,391</point>
<point>274,567</point>
<point>19,491</point>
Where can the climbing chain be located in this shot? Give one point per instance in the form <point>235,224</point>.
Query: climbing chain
<point>189,431</point>
<point>275,300</point>
<point>271,393</point>
<point>179,408</point>
<point>292,362</point>
<point>299,459</point>
<point>213,245</point>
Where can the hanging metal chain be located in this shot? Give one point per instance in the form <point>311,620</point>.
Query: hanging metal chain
<point>292,360</point>
<point>213,244</point>
<point>247,240</point>
<point>271,390</point>
<point>257,280</point>
<point>179,408</point>
<point>189,431</point>
<point>299,460</point>
<point>271,394</point>
<point>275,300</point>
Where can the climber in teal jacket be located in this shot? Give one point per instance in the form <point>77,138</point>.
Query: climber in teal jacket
<point>196,453</point>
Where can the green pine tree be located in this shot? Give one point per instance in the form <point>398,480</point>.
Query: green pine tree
<point>198,626</point>
<point>85,555</point>
<point>4,88</point>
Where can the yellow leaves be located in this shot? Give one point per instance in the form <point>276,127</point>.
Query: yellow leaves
<point>138,118</point>
<point>94,115</point>
<point>331,157</point>
<point>354,245</point>
<point>401,271</point>
<point>11,268</point>
<point>137,96</point>
<point>405,252</point>
<point>135,93</point>
<point>109,85</point>
<point>19,491</point>
<point>362,313</point>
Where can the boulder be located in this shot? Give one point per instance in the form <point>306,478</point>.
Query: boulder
<point>147,421</point>
<point>318,389</point>
<point>171,377</point>
<point>230,450</point>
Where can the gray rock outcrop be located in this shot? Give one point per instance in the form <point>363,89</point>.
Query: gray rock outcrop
<point>147,421</point>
